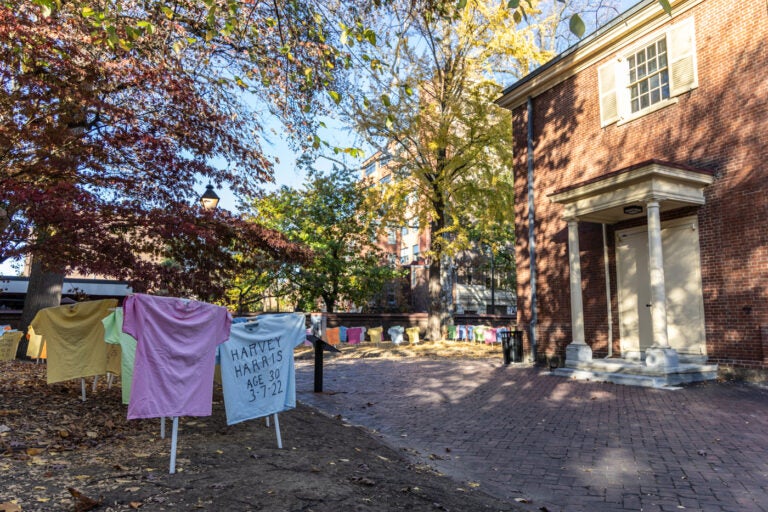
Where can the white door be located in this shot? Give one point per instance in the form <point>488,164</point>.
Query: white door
<point>682,276</point>
<point>634,291</point>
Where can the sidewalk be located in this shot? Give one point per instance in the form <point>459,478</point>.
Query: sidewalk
<point>560,444</point>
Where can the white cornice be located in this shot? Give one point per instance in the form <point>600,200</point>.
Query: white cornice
<point>603,200</point>
<point>627,28</point>
<point>621,180</point>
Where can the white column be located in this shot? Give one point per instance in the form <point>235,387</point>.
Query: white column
<point>574,263</point>
<point>660,353</point>
<point>656,267</point>
<point>577,350</point>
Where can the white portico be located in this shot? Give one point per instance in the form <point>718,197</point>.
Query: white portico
<point>649,356</point>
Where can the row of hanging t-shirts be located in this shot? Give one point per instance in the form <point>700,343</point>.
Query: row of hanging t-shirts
<point>168,350</point>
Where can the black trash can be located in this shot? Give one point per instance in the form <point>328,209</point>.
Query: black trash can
<point>517,346</point>
<point>506,336</point>
<point>512,346</point>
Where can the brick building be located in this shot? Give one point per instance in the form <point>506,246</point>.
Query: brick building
<point>642,193</point>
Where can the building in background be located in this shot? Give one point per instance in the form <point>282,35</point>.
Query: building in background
<point>478,283</point>
<point>75,288</point>
<point>13,290</point>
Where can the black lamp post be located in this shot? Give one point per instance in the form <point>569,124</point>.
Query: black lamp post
<point>209,199</point>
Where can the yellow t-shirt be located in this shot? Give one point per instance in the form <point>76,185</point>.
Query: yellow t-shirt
<point>74,338</point>
<point>36,345</point>
<point>114,359</point>
<point>9,342</point>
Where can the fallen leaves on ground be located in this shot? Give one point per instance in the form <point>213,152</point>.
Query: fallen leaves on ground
<point>388,350</point>
<point>60,454</point>
<point>83,503</point>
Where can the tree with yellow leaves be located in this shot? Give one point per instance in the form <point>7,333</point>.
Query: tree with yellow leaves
<point>428,103</point>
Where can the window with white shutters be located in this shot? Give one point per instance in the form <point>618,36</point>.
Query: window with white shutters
<point>649,75</point>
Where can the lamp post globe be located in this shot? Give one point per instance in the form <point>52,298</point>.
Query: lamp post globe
<point>209,199</point>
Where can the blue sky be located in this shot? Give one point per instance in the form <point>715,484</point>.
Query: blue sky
<point>286,172</point>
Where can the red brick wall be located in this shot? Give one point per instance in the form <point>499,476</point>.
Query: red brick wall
<point>721,126</point>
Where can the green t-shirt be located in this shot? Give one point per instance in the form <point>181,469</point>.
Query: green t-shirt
<point>113,333</point>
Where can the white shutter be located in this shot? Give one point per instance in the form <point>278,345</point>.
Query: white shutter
<point>681,51</point>
<point>609,104</point>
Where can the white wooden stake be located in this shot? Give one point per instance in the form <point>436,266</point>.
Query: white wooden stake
<point>277,431</point>
<point>174,434</point>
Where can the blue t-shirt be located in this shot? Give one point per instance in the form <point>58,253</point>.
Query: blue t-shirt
<point>257,371</point>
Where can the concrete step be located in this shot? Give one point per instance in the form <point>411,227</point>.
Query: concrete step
<point>633,373</point>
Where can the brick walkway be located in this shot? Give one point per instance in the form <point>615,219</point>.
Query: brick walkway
<point>560,444</point>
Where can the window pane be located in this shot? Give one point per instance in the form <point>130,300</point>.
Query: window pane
<point>648,76</point>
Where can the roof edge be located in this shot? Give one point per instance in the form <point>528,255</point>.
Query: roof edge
<point>605,40</point>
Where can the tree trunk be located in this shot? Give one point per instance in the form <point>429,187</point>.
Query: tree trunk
<point>330,303</point>
<point>43,291</point>
<point>439,314</point>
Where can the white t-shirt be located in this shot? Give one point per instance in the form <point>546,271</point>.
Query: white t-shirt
<point>257,371</point>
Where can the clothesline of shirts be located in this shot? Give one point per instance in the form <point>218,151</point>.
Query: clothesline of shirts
<point>163,349</point>
<point>177,334</point>
<point>169,347</point>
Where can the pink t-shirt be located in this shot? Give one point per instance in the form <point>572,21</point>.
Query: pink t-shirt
<point>175,354</point>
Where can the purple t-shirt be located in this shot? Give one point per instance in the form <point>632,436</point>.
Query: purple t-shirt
<point>175,354</point>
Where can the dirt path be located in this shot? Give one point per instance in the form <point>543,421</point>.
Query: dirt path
<point>50,442</point>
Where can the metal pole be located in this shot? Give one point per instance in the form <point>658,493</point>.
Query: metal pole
<point>318,365</point>
<point>532,230</point>
<point>493,285</point>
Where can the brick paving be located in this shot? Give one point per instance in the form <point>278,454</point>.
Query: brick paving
<point>559,444</point>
